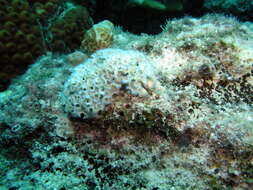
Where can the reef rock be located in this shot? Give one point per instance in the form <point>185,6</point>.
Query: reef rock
<point>171,111</point>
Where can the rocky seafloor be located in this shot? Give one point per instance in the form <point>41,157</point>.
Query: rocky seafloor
<point>172,111</point>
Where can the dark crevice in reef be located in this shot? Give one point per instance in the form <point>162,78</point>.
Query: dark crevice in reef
<point>138,19</point>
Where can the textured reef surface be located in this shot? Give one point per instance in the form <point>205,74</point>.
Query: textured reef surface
<point>172,111</point>
<point>237,7</point>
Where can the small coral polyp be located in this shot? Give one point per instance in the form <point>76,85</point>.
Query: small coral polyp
<point>100,36</point>
<point>109,74</point>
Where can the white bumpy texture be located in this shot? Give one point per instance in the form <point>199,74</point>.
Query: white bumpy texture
<point>93,83</point>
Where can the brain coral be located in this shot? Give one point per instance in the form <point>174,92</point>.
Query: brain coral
<point>66,31</point>
<point>107,74</point>
<point>44,9</point>
<point>20,39</point>
<point>28,28</point>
